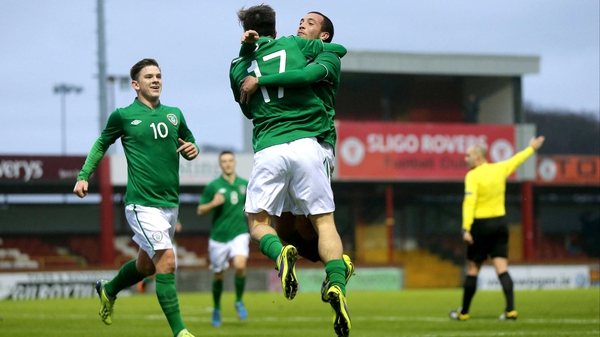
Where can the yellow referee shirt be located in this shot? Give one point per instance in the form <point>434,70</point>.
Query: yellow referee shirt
<point>485,186</point>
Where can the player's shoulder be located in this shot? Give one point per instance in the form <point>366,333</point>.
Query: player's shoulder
<point>174,114</point>
<point>217,181</point>
<point>328,56</point>
<point>134,106</point>
<point>474,172</point>
<point>170,109</point>
<point>329,60</point>
<point>295,40</point>
<point>211,185</point>
<point>483,170</point>
<point>291,38</point>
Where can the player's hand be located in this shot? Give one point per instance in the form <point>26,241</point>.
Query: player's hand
<point>468,237</point>
<point>81,188</point>
<point>187,149</point>
<point>536,143</point>
<point>249,36</point>
<point>218,199</point>
<point>248,85</point>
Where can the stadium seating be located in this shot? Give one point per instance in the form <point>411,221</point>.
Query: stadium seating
<point>26,252</point>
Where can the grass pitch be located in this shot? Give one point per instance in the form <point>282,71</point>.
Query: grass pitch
<point>414,313</point>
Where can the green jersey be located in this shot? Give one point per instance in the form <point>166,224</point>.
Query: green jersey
<point>150,141</point>
<point>279,115</point>
<point>228,219</point>
<point>323,73</point>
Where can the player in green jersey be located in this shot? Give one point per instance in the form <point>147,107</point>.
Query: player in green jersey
<point>323,73</point>
<point>153,137</point>
<point>224,199</point>
<point>288,159</point>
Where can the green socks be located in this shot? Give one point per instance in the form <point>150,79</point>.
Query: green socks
<point>167,298</point>
<point>271,246</point>
<point>217,290</point>
<point>127,276</point>
<point>240,284</point>
<point>336,272</point>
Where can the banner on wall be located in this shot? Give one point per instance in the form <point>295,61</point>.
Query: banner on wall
<point>538,277</point>
<point>371,279</point>
<point>406,151</point>
<point>568,170</point>
<point>32,169</point>
<point>44,285</point>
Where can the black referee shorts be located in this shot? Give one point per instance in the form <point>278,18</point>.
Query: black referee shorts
<point>490,238</point>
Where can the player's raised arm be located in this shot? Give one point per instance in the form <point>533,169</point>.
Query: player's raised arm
<point>292,78</point>
<point>537,142</point>
<point>248,40</point>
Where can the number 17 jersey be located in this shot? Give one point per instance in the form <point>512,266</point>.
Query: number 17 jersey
<point>279,115</point>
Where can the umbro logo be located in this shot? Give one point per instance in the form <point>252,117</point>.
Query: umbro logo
<point>136,122</point>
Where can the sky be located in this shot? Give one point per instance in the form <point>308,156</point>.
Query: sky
<point>44,43</point>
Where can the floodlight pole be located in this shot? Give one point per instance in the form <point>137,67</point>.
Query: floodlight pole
<point>102,80</point>
<point>113,79</point>
<point>107,230</point>
<point>63,90</point>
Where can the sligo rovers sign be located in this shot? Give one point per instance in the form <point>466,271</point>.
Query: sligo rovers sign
<point>405,151</point>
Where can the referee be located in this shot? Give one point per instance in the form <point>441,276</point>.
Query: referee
<point>484,227</point>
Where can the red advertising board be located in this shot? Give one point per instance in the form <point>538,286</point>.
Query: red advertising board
<point>409,151</point>
<point>31,169</point>
<point>568,170</point>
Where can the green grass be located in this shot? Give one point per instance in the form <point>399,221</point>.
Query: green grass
<point>383,314</point>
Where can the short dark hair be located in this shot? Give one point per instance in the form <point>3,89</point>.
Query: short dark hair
<point>326,27</point>
<point>225,152</point>
<point>135,70</point>
<point>260,18</point>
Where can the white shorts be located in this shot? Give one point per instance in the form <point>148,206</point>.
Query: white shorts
<point>296,169</point>
<point>219,253</point>
<point>288,204</point>
<point>153,227</point>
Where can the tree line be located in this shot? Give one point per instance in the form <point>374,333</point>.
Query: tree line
<point>566,132</point>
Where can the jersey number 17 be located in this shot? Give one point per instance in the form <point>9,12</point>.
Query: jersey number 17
<point>254,68</point>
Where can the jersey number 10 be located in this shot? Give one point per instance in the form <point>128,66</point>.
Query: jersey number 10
<point>160,130</point>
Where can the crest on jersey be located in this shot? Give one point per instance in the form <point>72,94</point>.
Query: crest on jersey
<point>243,189</point>
<point>157,236</point>
<point>173,119</point>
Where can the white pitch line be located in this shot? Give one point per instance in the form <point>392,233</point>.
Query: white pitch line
<point>206,318</point>
<point>494,334</point>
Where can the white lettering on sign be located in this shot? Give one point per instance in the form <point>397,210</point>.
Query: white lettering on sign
<point>53,290</point>
<point>21,169</point>
<point>399,143</point>
<point>450,143</point>
<point>410,143</point>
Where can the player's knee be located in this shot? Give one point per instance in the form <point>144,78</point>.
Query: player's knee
<point>219,276</point>
<point>166,268</point>
<point>145,269</point>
